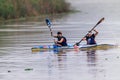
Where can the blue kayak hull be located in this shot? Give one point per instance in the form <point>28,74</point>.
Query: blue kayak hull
<point>84,46</point>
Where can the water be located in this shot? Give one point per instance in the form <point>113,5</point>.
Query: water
<point>18,62</point>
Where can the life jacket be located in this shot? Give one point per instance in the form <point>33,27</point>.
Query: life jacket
<point>91,40</point>
<point>64,43</point>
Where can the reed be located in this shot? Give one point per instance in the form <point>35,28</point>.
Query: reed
<point>12,9</point>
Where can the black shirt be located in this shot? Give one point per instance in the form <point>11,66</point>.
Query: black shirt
<point>91,39</point>
<point>64,43</point>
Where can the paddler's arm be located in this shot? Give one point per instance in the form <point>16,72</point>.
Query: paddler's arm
<point>84,38</point>
<point>60,40</point>
<point>54,39</point>
<point>96,32</point>
<point>54,36</point>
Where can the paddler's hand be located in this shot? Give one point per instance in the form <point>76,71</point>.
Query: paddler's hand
<point>55,41</point>
<point>83,39</point>
<point>94,30</point>
<point>77,44</point>
<point>76,47</point>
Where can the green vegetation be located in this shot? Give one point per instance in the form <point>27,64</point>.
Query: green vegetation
<point>12,9</point>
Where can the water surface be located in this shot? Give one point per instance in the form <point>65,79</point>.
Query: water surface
<point>18,62</point>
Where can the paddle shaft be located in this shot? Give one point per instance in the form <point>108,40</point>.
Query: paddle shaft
<point>91,30</point>
<point>51,31</point>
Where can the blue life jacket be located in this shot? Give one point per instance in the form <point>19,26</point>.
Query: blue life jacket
<point>91,39</point>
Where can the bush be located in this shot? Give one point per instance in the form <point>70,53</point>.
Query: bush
<point>10,9</point>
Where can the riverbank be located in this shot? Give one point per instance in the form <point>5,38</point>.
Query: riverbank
<point>15,9</point>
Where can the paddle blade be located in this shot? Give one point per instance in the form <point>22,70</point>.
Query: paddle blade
<point>48,22</point>
<point>102,19</point>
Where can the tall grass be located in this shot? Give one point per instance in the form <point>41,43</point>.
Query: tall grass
<point>11,9</point>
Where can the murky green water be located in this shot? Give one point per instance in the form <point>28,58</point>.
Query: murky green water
<point>18,62</point>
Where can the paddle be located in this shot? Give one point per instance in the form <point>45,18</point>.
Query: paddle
<point>48,22</point>
<point>90,31</point>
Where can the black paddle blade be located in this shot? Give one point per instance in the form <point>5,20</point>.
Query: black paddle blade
<point>48,22</point>
<point>77,44</point>
<point>102,19</point>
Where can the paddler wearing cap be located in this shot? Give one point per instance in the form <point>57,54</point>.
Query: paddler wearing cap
<point>61,40</point>
<point>90,38</point>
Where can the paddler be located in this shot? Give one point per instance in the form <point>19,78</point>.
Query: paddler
<point>90,38</point>
<point>62,41</point>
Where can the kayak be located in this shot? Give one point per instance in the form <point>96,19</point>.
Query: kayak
<point>70,47</point>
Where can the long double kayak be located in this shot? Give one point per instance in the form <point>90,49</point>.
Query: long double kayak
<point>82,47</point>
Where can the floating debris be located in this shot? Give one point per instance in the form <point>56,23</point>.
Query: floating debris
<point>9,71</point>
<point>117,56</point>
<point>106,58</point>
<point>28,69</point>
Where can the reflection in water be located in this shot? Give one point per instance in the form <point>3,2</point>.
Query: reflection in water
<point>50,64</point>
<point>62,59</point>
<point>61,65</point>
<point>91,57</point>
<point>94,70</point>
<point>56,64</point>
<point>61,55</point>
